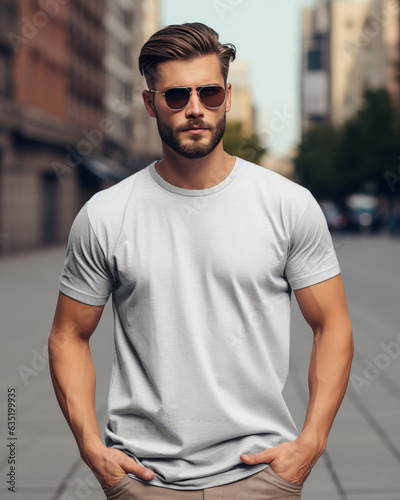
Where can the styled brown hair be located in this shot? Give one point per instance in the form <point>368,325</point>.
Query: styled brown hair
<point>183,41</point>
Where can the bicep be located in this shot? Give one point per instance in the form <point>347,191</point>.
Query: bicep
<point>324,304</point>
<point>76,319</point>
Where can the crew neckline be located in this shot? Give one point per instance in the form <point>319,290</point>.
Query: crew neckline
<point>194,192</point>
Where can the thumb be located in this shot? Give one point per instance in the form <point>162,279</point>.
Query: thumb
<point>265,456</point>
<point>130,465</point>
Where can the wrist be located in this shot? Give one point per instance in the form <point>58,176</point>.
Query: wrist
<point>92,451</point>
<point>312,440</point>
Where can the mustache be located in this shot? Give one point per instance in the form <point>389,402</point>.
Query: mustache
<point>192,124</point>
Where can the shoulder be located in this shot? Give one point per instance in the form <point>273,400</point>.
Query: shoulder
<point>107,209</point>
<point>109,204</point>
<point>118,192</point>
<point>278,188</point>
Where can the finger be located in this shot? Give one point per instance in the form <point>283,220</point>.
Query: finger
<point>144,473</point>
<point>265,456</point>
<point>129,465</point>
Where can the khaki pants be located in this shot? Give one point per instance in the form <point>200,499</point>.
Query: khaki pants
<point>264,485</point>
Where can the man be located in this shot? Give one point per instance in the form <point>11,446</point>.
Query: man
<point>200,252</point>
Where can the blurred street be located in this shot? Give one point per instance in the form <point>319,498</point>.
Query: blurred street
<point>363,455</point>
<point>315,97</point>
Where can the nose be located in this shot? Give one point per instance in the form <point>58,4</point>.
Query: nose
<point>194,106</point>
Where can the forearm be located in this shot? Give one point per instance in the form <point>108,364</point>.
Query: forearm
<point>328,376</point>
<point>74,380</point>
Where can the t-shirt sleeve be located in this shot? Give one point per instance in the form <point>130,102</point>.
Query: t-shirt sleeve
<point>312,257</point>
<point>86,276</point>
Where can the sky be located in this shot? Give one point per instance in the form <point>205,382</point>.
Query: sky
<point>267,35</point>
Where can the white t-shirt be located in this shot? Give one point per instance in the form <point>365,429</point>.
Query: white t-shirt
<point>201,283</point>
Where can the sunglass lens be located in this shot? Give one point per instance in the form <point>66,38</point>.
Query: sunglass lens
<point>177,98</point>
<point>212,97</point>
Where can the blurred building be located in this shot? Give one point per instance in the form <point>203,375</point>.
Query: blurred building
<point>120,27</point>
<point>85,60</point>
<point>33,113</point>
<point>146,141</point>
<point>8,21</point>
<point>315,64</point>
<point>92,147</point>
<point>67,70</point>
<point>242,109</point>
<point>283,165</point>
<point>347,46</point>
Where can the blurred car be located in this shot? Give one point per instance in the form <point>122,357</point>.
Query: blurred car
<point>363,212</point>
<point>394,221</point>
<point>336,219</point>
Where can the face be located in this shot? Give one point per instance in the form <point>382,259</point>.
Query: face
<point>195,131</point>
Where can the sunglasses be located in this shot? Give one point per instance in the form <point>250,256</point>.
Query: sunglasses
<point>211,96</point>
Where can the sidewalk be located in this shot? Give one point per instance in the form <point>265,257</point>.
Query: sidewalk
<point>363,455</point>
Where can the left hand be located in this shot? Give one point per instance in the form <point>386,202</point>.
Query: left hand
<point>292,461</point>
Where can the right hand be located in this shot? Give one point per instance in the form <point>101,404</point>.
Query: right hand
<point>110,465</point>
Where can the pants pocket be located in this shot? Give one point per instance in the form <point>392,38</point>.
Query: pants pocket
<point>273,477</point>
<point>118,488</point>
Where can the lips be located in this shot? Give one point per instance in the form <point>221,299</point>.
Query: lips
<point>195,127</point>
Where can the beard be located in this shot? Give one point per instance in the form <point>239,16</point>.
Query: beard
<point>195,147</point>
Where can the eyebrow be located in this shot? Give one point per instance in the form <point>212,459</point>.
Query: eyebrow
<point>193,86</point>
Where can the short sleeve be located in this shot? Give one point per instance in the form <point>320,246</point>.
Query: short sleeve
<point>86,277</point>
<point>311,257</point>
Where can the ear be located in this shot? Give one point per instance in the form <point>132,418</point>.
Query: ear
<point>148,103</point>
<point>228,97</point>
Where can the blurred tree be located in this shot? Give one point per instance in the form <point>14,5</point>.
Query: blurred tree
<point>370,144</point>
<point>315,164</point>
<point>334,163</point>
<point>238,144</point>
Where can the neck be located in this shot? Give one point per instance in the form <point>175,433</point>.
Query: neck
<point>197,173</point>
